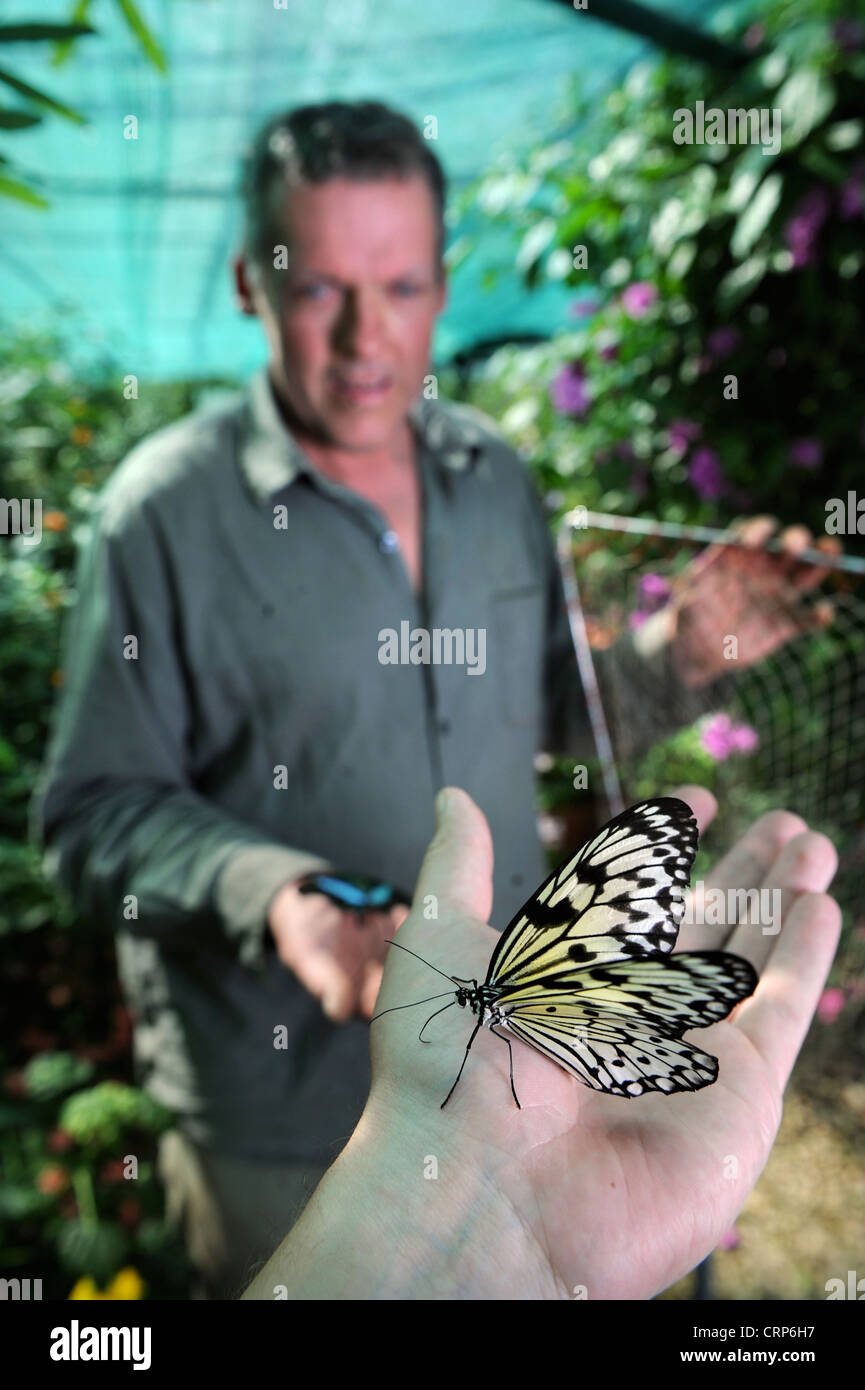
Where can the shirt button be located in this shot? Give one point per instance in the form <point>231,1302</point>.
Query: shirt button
<point>444,726</point>
<point>388,542</point>
<point>516,880</point>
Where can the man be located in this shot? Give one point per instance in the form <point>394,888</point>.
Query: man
<point>231,719</point>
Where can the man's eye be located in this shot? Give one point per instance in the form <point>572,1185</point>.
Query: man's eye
<point>405,288</point>
<point>310,291</point>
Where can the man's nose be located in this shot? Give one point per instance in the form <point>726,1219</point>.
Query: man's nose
<point>359,326</point>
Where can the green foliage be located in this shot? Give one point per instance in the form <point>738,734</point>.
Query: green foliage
<point>99,1116</point>
<point>51,1074</point>
<point>754,266</point>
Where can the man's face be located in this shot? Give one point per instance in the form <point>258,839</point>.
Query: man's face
<point>349,322</point>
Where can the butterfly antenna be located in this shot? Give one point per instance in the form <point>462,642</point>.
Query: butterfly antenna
<point>420,1036</point>
<point>428,1000</point>
<point>391,942</point>
<point>460,1072</point>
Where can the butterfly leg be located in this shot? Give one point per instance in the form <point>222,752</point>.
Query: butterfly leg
<point>506,1039</point>
<point>460,1072</point>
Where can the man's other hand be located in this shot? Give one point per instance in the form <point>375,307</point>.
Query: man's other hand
<point>337,957</point>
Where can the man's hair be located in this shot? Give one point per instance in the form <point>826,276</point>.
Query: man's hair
<point>334,139</point>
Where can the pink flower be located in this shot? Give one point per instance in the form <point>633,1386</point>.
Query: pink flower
<point>715,737</point>
<point>720,737</point>
<point>568,390</point>
<point>743,739</point>
<point>730,1240</point>
<point>706,475</point>
<point>637,618</point>
<point>830,1005</point>
<point>638,298</point>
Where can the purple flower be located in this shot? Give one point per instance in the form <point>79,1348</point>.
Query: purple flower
<point>806,453</point>
<point>625,450</point>
<point>852,200</point>
<point>848,34</point>
<point>682,433</point>
<point>583,308</point>
<point>655,586</point>
<point>637,618</point>
<point>730,1240</point>
<point>609,352</point>
<point>706,475</point>
<point>638,298</point>
<point>568,391</point>
<point>801,232</point>
<point>723,341</point>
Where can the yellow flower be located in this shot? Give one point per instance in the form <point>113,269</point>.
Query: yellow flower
<point>126,1285</point>
<point>85,1288</point>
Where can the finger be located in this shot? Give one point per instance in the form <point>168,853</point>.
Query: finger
<point>398,914</point>
<point>743,869</point>
<point>777,1017</point>
<point>458,865</point>
<point>755,531</point>
<point>806,864</point>
<point>701,802</point>
<point>370,988</point>
<point>330,983</point>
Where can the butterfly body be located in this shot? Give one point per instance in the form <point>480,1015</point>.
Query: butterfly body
<point>585,974</point>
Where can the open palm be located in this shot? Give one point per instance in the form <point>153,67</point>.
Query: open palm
<point>599,1196</point>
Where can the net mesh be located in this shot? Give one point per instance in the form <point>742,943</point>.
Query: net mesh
<point>784,730</point>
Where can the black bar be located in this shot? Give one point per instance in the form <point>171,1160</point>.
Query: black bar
<point>667,33</point>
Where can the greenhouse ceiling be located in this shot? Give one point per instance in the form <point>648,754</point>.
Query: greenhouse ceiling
<point>135,242</point>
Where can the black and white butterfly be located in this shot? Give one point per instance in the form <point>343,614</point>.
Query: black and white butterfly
<point>584,971</point>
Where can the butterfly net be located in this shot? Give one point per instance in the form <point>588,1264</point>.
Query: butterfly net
<point>784,730</point>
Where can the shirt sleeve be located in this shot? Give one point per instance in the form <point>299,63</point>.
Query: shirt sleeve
<point>123,829</point>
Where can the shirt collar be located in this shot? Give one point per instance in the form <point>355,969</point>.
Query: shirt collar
<point>271,457</point>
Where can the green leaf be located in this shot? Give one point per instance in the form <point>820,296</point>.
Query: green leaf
<point>805,98</point>
<point>92,1247</point>
<point>50,1074</point>
<point>147,41</point>
<point>739,282</point>
<point>756,216</point>
<point>33,33</point>
<point>79,15</point>
<point>41,98</point>
<point>17,120</point>
<point>12,188</point>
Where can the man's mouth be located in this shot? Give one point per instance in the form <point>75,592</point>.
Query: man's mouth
<point>362,388</point>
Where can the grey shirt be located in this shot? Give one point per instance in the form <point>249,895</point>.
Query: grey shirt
<point>227,723</point>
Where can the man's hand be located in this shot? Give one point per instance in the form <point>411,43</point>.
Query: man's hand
<point>337,958</point>
<point>748,593</point>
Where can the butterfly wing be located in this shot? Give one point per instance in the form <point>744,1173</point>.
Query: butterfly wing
<point>620,1029</point>
<point>621,896</point>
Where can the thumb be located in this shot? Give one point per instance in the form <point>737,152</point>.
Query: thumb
<point>458,866</point>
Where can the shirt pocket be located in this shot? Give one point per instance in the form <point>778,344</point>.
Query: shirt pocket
<point>519,616</point>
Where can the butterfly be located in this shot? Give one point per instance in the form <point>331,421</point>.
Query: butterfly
<point>355,892</point>
<point>584,971</point>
